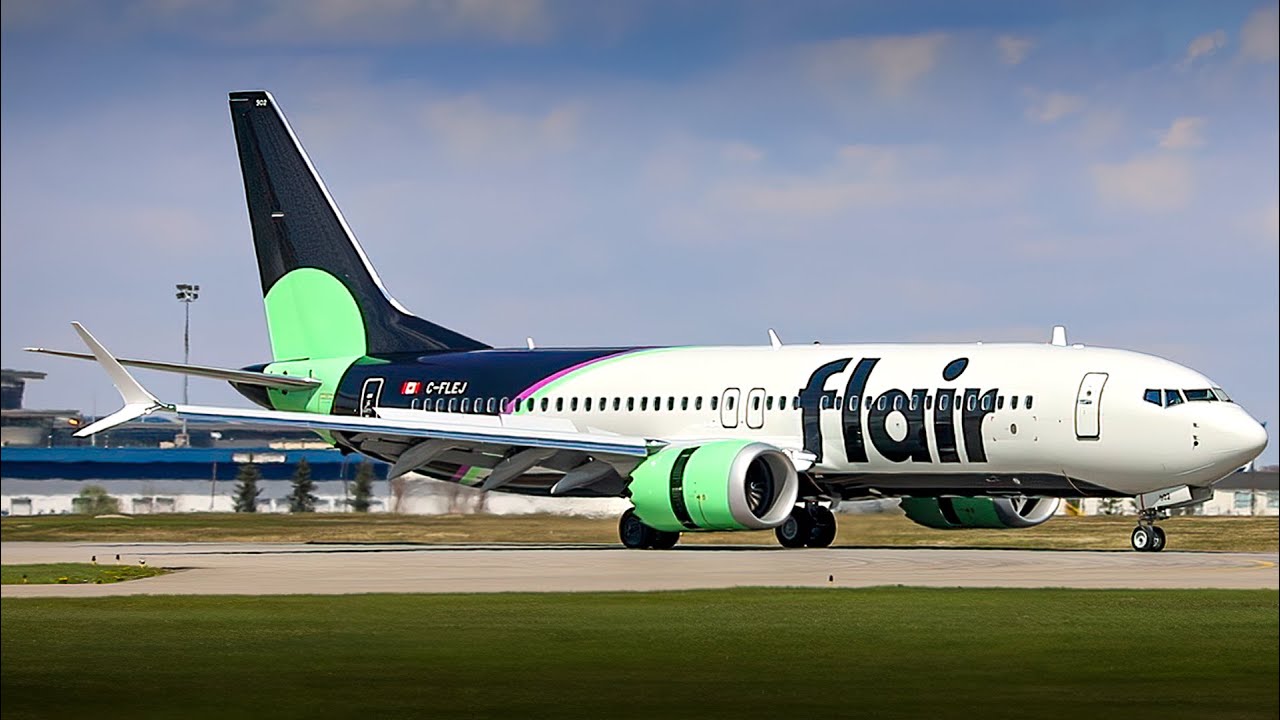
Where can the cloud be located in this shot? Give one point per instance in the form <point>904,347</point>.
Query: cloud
<point>1051,107</point>
<point>1151,183</point>
<point>1204,46</point>
<point>1260,36</point>
<point>1183,133</point>
<point>471,127</point>
<point>1013,48</point>
<point>402,21</point>
<point>895,63</point>
<point>741,153</point>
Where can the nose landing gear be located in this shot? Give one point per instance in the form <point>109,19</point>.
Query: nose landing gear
<point>1148,537</point>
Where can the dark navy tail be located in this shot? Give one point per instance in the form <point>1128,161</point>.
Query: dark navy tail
<point>300,235</point>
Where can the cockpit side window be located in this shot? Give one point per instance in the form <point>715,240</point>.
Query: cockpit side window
<point>1201,395</point>
<point>1172,397</point>
<point>1221,395</point>
<point>1152,396</point>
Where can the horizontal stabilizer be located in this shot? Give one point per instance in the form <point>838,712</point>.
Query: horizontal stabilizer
<point>244,377</point>
<point>137,401</point>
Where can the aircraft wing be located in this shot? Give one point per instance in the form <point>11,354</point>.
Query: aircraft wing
<point>502,447</point>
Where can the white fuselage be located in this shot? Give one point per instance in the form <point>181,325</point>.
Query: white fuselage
<point>1075,412</point>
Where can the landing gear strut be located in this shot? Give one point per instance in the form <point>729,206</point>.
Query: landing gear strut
<point>1148,537</point>
<point>638,536</point>
<point>808,525</point>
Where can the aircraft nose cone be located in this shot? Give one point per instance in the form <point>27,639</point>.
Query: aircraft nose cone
<point>1241,437</point>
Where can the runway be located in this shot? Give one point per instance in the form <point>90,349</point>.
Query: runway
<point>273,569</point>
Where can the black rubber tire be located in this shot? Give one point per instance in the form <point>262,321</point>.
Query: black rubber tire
<point>794,531</point>
<point>1140,539</point>
<point>665,540</point>
<point>823,532</point>
<point>634,534</point>
<point>1157,538</point>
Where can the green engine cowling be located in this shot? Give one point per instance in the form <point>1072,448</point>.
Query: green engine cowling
<point>721,485</point>
<point>951,513</point>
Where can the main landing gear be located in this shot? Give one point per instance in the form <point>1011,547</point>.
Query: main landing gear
<point>1148,537</point>
<point>808,525</point>
<point>638,536</point>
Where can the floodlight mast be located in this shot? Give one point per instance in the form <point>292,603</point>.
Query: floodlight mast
<point>187,294</point>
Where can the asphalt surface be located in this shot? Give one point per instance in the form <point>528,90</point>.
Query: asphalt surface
<point>285,568</point>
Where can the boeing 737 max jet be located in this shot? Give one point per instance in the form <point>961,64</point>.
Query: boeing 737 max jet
<point>697,438</point>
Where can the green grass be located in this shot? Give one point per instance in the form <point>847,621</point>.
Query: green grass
<point>1257,534</point>
<point>885,652</point>
<point>73,573</point>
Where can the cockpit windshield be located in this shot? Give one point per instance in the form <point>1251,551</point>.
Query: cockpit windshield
<point>1169,398</point>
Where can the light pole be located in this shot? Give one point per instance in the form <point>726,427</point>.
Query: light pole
<point>186,295</point>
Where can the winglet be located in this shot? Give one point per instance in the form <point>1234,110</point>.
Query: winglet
<point>137,401</point>
<point>773,339</point>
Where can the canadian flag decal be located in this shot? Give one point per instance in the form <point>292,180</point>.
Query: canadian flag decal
<point>410,387</point>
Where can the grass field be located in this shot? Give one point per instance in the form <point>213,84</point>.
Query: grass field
<point>73,573</point>
<point>1261,534</point>
<point>886,652</point>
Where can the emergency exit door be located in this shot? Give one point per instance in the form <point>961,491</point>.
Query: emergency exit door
<point>1089,406</point>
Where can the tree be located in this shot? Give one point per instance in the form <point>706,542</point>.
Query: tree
<point>362,488</point>
<point>94,500</point>
<point>300,499</point>
<point>247,490</point>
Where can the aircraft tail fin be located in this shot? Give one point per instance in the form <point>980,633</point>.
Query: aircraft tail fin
<point>323,297</point>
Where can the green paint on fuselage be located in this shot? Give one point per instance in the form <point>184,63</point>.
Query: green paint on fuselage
<point>316,331</point>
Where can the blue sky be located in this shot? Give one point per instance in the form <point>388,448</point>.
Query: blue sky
<point>659,173</point>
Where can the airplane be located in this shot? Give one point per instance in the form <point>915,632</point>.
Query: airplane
<point>984,435</point>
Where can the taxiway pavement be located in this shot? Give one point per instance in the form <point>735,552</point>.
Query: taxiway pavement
<point>283,568</point>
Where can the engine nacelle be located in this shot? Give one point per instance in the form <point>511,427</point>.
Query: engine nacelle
<point>721,485</point>
<point>949,513</point>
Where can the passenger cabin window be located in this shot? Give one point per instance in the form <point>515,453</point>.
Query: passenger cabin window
<point>944,403</point>
<point>768,403</point>
<point>755,403</point>
<point>825,402</point>
<point>573,405</point>
<point>617,404</point>
<point>928,402</point>
<point>644,403</point>
<point>671,403</point>
<point>631,404</point>
<point>897,403</point>
<point>715,402</point>
<point>1014,403</point>
<point>1172,397</point>
<point>1029,399</point>
<point>986,402</point>
<point>870,399</point>
<point>697,403</point>
<point>1000,403</point>
<point>492,405</point>
<point>1152,396</point>
<point>453,404</point>
<point>546,402</point>
<point>466,404</point>
<point>684,403</point>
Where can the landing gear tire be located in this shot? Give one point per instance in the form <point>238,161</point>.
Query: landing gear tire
<point>1157,538</point>
<point>634,533</point>
<point>1148,537</point>
<point>823,531</point>
<point>664,540</point>
<point>794,532</point>
<point>1142,539</point>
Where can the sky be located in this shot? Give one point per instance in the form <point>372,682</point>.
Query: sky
<point>635,173</point>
